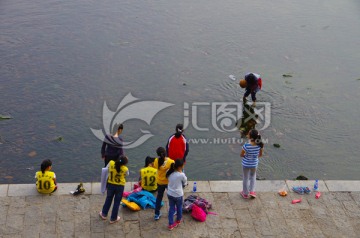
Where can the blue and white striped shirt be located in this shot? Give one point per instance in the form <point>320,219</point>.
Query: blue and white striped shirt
<point>251,157</point>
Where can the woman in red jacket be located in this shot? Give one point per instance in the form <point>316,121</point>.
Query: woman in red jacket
<point>177,146</point>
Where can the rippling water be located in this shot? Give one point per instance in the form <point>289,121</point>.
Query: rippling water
<point>61,60</point>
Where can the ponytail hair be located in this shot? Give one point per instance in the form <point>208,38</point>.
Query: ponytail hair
<point>178,163</point>
<point>256,137</point>
<point>161,152</point>
<point>179,130</point>
<point>148,160</point>
<point>171,170</point>
<point>45,164</point>
<point>121,160</point>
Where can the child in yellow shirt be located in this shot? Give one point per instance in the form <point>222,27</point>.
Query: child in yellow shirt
<point>45,179</point>
<point>115,187</point>
<point>148,175</point>
<point>162,164</point>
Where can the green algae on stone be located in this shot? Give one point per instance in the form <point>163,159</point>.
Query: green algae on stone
<point>5,117</point>
<point>59,139</point>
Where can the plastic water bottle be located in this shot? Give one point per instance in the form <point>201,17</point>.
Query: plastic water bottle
<point>316,185</point>
<point>194,187</point>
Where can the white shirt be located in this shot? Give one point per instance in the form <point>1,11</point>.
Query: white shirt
<point>176,182</point>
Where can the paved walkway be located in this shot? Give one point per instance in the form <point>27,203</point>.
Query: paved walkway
<point>25,213</point>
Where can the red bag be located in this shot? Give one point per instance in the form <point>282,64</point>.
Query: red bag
<point>126,194</point>
<point>198,213</point>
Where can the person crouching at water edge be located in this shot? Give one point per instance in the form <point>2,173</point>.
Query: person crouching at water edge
<point>162,164</point>
<point>46,179</point>
<point>115,187</point>
<point>111,148</point>
<point>252,84</point>
<point>177,181</point>
<point>177,146</point>
<point>250,154</point>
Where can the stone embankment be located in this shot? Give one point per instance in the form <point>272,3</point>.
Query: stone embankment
<point>25,213</point>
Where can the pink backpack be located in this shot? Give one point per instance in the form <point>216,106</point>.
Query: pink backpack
<point>198,213</point>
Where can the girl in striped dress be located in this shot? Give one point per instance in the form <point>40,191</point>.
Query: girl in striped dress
<point>250,154</point>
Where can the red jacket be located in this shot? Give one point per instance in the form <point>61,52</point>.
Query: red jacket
<point>177,148</point>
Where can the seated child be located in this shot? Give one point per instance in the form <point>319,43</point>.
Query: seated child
<point>46,179</point>
<point>148,179</point>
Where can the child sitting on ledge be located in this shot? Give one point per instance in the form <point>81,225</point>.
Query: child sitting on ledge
<point>46,179</point>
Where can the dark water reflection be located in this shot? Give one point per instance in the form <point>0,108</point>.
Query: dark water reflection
<point>60,60</point>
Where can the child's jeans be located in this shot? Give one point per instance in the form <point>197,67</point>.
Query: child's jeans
<point>175,202</point>
<point>249,178</point>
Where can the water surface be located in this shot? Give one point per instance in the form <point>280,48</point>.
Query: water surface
<point>61,60</point>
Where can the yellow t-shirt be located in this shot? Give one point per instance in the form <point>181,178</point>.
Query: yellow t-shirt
<point>148,178</point>
<point>161,173</point>
<point>45,181</point>
<point>115,177</point>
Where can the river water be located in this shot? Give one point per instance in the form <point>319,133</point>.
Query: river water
<point>60,61</point>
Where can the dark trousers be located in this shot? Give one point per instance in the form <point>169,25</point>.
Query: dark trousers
<point>253,94</point>
<point>113,192</point>
<point>108,158</point>
<point>159,197</point>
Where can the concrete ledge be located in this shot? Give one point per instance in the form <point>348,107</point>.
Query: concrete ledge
<point>343,186</point>
<point>236,186</point>
<point>225,186</point>
<point>4,190</point>
<point>308,183</point>
<point>22,190</point>
<point>96,188</point>
<point>201,187</point>
<point>65,188</point>
<point>30,189</point>
<point>12,190</point>
<point>270,186</point>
